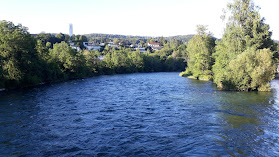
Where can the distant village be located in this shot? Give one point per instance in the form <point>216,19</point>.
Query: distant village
<point>97,47</point>
<point>104,43</point>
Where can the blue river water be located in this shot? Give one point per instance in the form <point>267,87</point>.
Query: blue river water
<point>143,114</point>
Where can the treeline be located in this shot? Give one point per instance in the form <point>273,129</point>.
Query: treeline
<point>243,60</point>
<point>182,38</point>
<point>27,60</point>
<point>125,61</point>
<point>103,38</point>
<point>50,39</point>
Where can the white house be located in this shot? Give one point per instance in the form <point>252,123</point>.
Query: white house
<point>141,49</point>
<point>153,44</point>
<point>157,48</point>
<point>92,46</point>
<point>136,46</point>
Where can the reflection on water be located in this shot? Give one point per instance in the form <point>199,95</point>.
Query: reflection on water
<point>246,122</point>
<point>155,114</point>
<point>241,109</point>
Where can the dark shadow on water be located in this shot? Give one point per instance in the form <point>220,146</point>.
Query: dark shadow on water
<point>245,118</point>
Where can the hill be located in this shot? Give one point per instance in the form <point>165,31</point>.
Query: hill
<point>105,37</point>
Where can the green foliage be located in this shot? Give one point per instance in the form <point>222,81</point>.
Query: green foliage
<point>205,77</point>
<point>25,61</point>
<point>137,63</point>
<point>102,38</point>
<point>68,60</point>
<point>50,39</point>
<point>200,49</point>
<point>19,62</point>
<point>246,38</point>
<point>251,70</point>
<point>186,73</point>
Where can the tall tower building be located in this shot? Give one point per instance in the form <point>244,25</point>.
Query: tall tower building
<point>71,30</point>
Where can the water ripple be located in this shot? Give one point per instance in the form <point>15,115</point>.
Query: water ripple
<point>155,114</point>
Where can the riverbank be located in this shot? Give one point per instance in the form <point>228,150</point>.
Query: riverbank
<point>201,78</point>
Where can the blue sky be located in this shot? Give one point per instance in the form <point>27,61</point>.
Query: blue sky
<point>127,17</point>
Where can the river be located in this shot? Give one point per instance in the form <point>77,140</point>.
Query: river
<point>143,114</point>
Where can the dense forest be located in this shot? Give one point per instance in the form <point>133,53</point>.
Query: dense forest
<point>27,60</point>
<point>243,60</point>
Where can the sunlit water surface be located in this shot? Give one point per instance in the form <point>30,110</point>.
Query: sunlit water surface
<point>146,114</point>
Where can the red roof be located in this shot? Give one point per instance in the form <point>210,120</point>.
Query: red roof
<point>154,43</point>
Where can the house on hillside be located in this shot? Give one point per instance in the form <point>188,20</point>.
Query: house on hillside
<point>92,46</point>
<point>141,49</point>
<point>135,46</point>
<point>155,46</point>
<point>73,46</point>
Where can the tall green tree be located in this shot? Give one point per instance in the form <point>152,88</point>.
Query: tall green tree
<point>19,60</point>
<point>136,61</point>
<point>68,60</point>
<point>200,49</point>
<point>245,32</point>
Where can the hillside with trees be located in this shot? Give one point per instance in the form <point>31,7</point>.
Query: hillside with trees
<point>28,61</point>
<point>102,38</point>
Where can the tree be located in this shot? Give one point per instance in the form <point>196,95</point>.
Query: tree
<point>60,37</point>
<point>92,61</point>
<point>71,63</point>
<point>136,61</point>
<point>83,38</point>
<point>245,32</point>
<point>46,37</point>
<point>200,49</point>
<point>116,41</point>
<point>162,41</point>
<point>151,40</point>
<point>42,50</point>
<point>19,60</point>
<point>174,43</point>
<point>252,70</point>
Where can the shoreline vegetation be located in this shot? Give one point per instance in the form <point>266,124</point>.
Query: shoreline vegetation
<point>201,78</point>
<point>28,60</point>
<point>243,60</point>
